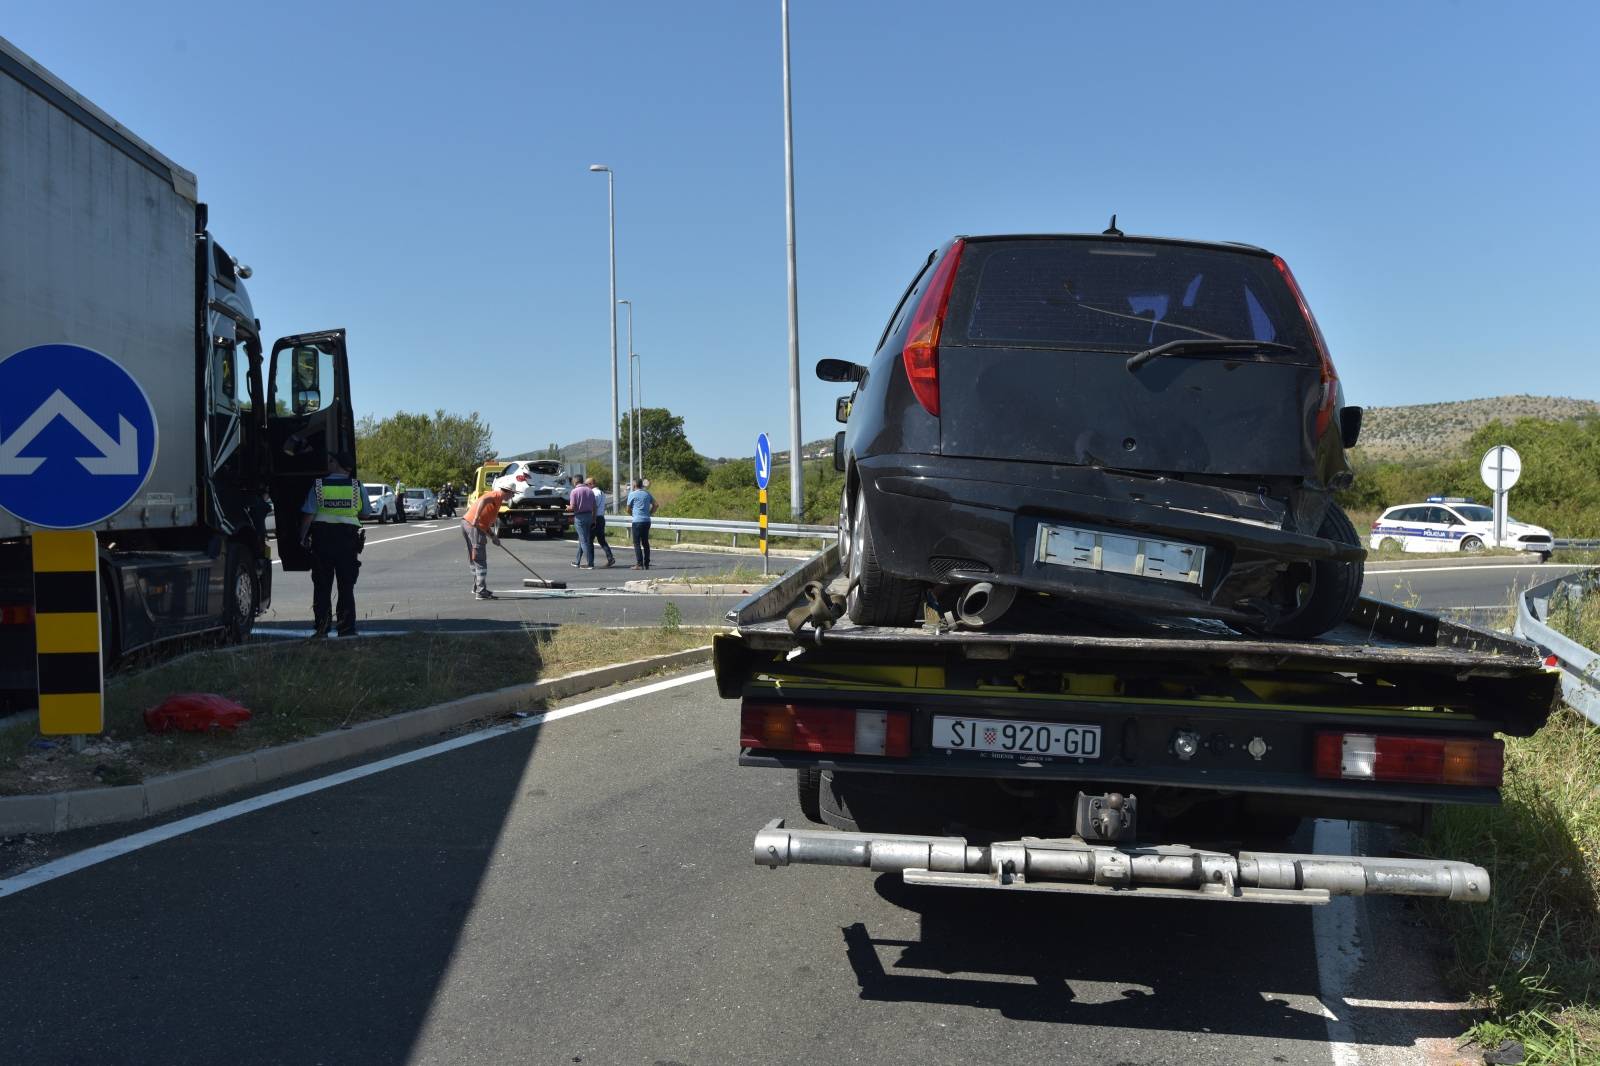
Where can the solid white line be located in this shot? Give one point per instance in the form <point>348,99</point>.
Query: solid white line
<point>113,848</point>
<point>1338,945</point>
<point>1494,566</point>
<point>385,540</point>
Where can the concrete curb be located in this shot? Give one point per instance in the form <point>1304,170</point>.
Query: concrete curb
<point>680,588</point>
<point>1454,559</point>
<point>79,809</point>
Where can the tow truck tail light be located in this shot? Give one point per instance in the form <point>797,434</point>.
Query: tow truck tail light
<point>823,730</point>
<point>921,354</point>
<point>1332,393</point>
<point>1419,760</point>
<point>16,614</point>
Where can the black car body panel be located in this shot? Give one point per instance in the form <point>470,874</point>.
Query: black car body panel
<point>1039,418</point>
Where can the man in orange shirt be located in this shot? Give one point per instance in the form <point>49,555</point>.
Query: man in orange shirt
<point>479,526</point>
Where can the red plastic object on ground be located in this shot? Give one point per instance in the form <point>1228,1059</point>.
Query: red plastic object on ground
<point>195,712</point>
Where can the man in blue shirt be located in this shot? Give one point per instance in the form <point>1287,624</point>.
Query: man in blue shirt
<point>641,505</point>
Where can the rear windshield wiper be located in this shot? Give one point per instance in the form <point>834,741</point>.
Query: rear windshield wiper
<point>1204,346</point>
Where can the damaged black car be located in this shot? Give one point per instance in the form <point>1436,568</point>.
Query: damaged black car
<point>1128,422</point>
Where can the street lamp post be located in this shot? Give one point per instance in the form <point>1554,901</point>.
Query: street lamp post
<point>796,497</point>
<point>611,204</point>
<point>633,412</point>
<point>638,430</point>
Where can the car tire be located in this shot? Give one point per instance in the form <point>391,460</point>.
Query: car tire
<point>808,790</point>
<point>1472,544</point>
<point>239,596</point>
<point>877,598</point>
<point>844,530</point>
<point>1335,586</point>
<point>1390,541</point>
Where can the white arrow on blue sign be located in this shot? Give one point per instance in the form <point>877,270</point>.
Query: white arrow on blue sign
<point>763,461</point>
<point>77,436</point>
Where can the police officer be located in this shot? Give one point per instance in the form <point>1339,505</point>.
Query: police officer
<point>330,527</point>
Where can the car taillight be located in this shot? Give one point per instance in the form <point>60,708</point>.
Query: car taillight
<point>824,730</point>
<point>921,354</point>
<point>1419,760</point>
<point>1331,393</point>
<point>16,615</point>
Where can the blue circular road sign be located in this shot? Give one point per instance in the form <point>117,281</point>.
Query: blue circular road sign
<point>763,461</point>
<point>77,436</point>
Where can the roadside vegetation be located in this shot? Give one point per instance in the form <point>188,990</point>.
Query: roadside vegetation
<point>298,689</point>
<point>1531,956</point>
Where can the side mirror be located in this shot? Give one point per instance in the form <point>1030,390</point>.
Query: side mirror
<point>840,370</point>
<point>307,374</point>
<point>841,408</point>
<point>307,401</point>
<point>1350,425</point>
<point>838,451</point>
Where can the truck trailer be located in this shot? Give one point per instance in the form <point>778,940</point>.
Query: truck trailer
<point>105,246</point>
<point>1113,753</point>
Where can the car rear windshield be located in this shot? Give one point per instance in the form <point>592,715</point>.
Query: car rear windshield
<point>1119,295</point>
<point>413,494</point>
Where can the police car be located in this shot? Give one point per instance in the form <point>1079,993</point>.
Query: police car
<point>1451,524</point>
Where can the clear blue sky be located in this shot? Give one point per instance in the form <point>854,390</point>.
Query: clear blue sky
<point>418,174</point>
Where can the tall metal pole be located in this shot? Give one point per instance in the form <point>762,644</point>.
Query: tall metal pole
<point>796,493</point>
<point>633,414</point>
<point>639,434</point>
<point>611,204</point>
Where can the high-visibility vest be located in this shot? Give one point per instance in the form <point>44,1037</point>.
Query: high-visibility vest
<point>337,502</point>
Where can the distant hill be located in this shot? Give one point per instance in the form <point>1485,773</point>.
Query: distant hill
<point>1431,430</point>
<point>584,451</point>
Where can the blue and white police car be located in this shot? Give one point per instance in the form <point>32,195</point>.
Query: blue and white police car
<point>1452,524</point>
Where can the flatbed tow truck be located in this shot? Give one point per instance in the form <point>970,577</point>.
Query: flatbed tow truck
<point>1071,753</point>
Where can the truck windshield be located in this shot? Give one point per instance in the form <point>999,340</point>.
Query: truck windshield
<point>1121,296</point>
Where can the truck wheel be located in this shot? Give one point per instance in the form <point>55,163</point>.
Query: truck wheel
<point>808,789</point>
<point>1335,586</point>
<point>877,598</point>
<point>239,598</point>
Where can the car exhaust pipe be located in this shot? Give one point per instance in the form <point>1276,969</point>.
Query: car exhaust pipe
<point>983,603</point>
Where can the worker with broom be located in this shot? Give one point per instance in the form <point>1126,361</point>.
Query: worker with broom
<point>480,525</point>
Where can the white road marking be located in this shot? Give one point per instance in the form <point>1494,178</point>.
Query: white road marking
<point>372,543</point>
<point>112,849</point>
<point>1338,946</point>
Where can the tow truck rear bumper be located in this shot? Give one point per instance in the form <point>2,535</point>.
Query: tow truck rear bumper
<point>1137,871</point>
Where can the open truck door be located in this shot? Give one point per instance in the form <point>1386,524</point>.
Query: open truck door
<point>309,418</point>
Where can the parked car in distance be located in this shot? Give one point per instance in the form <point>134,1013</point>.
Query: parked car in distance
<point>1454,524</point>
<point>1127,422</point>
<point>380,503</point>
<point>421,503</point>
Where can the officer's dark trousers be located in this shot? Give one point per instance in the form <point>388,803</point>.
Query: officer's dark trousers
<point>333,558</point>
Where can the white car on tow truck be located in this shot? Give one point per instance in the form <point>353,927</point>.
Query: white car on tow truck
<point>1454,523</point>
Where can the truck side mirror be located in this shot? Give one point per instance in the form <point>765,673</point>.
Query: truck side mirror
<point>1350,425</point>
<point>841,408</point>
<point>838,451</point>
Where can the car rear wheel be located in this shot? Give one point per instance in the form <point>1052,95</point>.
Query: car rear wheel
<point>1389,542</point>
<point>1471,544</point>
<point>877,598</point>
<point>1333,588</point>
<point>808,790</point>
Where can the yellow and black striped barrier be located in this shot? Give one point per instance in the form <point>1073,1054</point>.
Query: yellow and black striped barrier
<point>763,521</point>
<point>66,625</point>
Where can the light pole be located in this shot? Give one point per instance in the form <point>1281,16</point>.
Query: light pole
<point>633,414</point>
<point>796,496</point>
<point>611,203</point>
<point>638,430</point>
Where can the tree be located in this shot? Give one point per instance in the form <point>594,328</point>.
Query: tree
<point>665,448</point>
<point>421,449</point>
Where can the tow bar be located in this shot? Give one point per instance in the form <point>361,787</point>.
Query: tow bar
<point>1169,871</point>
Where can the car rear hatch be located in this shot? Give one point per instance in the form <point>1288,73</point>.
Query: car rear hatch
<point>1033,359</point>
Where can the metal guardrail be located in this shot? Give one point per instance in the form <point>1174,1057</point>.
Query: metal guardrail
<point>1580,666</point>
<point>680,526</point>
<point>1560,542</point>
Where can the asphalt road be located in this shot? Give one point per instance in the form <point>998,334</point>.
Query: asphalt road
<point>1481,594</point>
<point>583,891</point>
<point>415,575</point>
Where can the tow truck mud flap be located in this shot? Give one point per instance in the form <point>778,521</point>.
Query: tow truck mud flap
<point>1166,871</point>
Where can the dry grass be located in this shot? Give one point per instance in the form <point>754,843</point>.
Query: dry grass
<point>297,689</point>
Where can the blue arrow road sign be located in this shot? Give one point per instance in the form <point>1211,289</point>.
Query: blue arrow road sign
<point>763,461</point>
<point>77,436</point>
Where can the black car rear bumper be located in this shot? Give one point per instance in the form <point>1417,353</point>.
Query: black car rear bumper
<point>946,520</point>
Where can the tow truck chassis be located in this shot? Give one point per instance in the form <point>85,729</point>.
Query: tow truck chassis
<point>1071,865</point>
